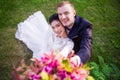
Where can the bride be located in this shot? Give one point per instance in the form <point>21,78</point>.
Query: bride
<point>40,37</point>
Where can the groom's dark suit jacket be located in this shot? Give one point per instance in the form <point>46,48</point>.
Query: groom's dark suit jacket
<point>81,34</point>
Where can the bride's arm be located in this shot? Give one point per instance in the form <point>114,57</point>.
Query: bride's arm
<point>67,48</point>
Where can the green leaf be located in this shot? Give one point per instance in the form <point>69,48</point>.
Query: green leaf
<point>67,65</point>
<point>90,78</point>
<point>68,78</point>
<point>44,76</point>
<point>101,61</point>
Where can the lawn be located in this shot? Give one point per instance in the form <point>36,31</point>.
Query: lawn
<point>104,14</point>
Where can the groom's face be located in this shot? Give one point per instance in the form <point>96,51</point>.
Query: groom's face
<point>66,15</point>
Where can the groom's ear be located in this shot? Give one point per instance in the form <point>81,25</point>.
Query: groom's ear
<point>74,12</point>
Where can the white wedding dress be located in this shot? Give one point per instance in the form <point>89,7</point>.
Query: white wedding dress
<point>39,37</point>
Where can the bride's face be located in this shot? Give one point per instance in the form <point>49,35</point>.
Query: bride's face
<point>58,28</point>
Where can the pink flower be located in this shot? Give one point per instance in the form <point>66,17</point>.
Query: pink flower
<point>53,66</point>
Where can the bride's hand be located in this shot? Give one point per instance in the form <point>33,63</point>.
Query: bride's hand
<point>71,54</point>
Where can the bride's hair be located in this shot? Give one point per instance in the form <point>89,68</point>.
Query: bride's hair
<point>53,17</point>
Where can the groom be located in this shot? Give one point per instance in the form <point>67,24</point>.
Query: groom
<point>78,29</point>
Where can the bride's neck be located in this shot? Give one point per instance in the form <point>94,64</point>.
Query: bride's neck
<point>64,36</point>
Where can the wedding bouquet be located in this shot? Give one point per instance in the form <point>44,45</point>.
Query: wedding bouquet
<point>51,66</point>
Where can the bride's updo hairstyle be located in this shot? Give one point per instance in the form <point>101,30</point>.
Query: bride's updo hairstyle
<point>53,17</point>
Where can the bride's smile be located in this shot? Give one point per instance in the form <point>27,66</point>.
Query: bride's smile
<point>58,28</point>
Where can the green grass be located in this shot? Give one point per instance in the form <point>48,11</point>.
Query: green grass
<point>104,14</point>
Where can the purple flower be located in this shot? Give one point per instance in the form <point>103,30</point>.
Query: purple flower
<point>35,77</point>
<point>62,74</point>
<point>48,69</point>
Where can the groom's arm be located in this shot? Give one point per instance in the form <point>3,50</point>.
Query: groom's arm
<point>84,53</point>
<point>86,45</point>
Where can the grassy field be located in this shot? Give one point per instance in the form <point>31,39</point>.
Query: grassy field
<point>104,14</point>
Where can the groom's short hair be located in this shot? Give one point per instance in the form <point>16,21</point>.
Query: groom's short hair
<point>53,17</point>
<point>64,3</point>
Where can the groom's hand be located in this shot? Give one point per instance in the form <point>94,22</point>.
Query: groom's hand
<point>74,61</point>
